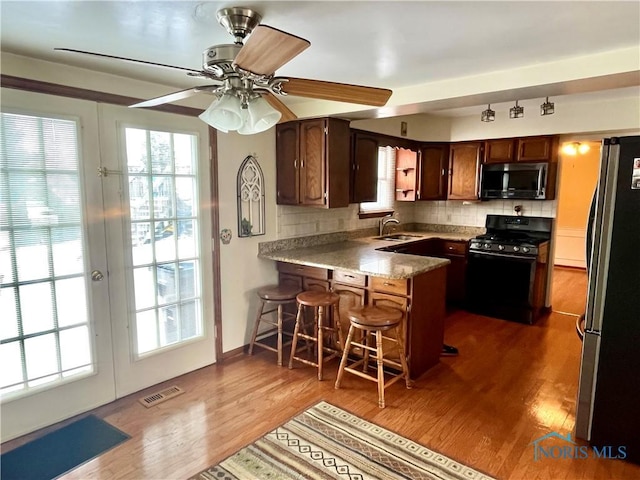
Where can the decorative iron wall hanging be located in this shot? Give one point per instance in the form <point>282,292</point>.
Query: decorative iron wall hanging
<point>250,187</point>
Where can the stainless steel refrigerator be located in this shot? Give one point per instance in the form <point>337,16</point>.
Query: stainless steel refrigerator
<point>608,409</point>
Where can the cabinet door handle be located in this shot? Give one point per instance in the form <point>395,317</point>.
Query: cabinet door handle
<point>389,284</point>
<point>295,163</point>
<point>350,276</point>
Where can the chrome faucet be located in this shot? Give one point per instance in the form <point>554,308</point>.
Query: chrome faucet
<point>387,219</point>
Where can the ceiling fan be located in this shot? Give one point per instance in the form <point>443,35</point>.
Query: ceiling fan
<point>246,86</point>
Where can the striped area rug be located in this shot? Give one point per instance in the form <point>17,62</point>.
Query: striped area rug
<point>326,442</point>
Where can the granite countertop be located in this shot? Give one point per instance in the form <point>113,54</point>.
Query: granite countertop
<point>360,256</point>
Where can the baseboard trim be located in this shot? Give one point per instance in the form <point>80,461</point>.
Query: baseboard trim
<point>234,353</point>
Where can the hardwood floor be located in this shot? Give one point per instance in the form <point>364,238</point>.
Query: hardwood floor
<point>569,294</point>
<point>510,385</point>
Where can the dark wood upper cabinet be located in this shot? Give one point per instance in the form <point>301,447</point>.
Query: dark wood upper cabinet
<point>501,150</point>
<point>287,152</point>
<point>312,161</point>
<point>523,149</point>
<point>538,149</point>
<point>406,175</point>
<point>364,168</point>
<point>432,172</point>
<point>464,163</point>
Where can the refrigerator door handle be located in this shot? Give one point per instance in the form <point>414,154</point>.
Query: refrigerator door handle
<point>602,227</point>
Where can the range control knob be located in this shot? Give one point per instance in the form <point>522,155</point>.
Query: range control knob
<point>487,246</point>
<point>516,248</point>
<point>476,245</point>
<point>500,247</point>
<point>526,249</point>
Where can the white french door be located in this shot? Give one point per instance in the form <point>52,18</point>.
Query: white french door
<point>159,244</point>
<point>105,257</point>
<point>55,334</point>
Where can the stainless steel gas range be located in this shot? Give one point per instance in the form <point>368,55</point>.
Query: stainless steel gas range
<point>508,268</point>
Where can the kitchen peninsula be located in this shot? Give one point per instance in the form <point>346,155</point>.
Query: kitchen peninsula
<point>362,274</point>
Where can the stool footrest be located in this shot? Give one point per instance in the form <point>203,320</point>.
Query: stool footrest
<point>269,347</point>
<point>367,376</point>
<point>315,364</point>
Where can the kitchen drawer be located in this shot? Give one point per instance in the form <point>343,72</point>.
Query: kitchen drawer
<point>454,248</point>
<point>349,278</point>
<point>303,270</point>
<point>388,285</point>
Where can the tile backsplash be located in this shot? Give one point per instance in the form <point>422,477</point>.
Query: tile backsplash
<point>303,221</point>
<point>473,214</point>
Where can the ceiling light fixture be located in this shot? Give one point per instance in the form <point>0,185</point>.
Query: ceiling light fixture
<point>547,108</point>
<point>575,148</point>
<point>488,115</point>
<point>516,111</point>
<point>238,107</point>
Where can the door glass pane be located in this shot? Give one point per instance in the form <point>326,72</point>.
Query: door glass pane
<point>42,253</point>
<point>165,255</point>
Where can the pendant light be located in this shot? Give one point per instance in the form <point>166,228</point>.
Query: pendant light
<point>488,115</point>
<point>547,108</point>
<point>516,111</point>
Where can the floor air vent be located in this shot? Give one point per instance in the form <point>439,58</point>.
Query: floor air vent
<point>159,397</point>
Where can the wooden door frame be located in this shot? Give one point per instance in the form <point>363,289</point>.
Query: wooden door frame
<point>19,83</point>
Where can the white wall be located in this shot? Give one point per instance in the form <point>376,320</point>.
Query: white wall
<point>425,128</point>
<point>588,119</point>
<point>241,271</point>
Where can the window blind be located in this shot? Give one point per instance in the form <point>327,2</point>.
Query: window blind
<point>45,331</point>
<point>386,182</point>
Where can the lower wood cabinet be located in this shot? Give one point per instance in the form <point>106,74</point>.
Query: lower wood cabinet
<point>456,252</point>
<point>422,298</point>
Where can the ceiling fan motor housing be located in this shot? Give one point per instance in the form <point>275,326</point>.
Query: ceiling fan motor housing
<point>218,60</point>
<point>238,21</point>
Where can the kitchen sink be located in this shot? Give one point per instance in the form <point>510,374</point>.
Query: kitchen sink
<point>398,237</point>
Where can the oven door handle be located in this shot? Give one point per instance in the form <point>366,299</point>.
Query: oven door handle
<point>502,255</point>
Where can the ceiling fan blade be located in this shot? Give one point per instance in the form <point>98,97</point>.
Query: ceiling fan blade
<point>287,115</point>
<point>133,60</point>
<point>173,97</point>
<point>267,49</point>
<point>340,92</point>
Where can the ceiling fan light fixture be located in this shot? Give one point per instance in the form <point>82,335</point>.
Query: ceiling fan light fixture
<point>488,115</point>
<point>262,116</point>
<point>547,108</point>
<point>224,113</point>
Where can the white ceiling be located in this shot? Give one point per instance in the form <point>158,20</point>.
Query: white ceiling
<point>397,45</point>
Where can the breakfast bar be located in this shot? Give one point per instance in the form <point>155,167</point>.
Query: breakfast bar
<point>361,273</point>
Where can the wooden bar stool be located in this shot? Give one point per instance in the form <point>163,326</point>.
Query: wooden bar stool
<point>277,296</point>
<point>373,321</point>
<point>319,301</point>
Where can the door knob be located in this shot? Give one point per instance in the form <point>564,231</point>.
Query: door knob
<point>96,275</point>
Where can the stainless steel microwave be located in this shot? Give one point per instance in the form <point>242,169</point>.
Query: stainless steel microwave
<point>514,180</point>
